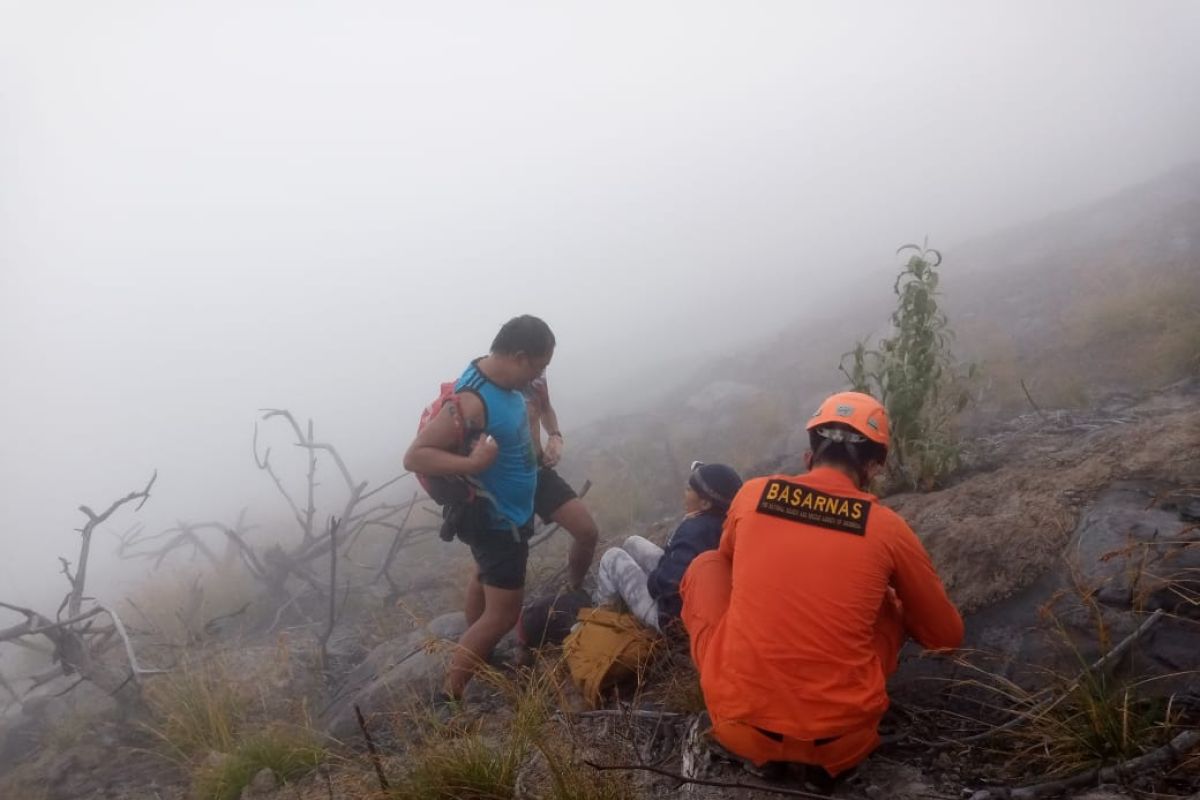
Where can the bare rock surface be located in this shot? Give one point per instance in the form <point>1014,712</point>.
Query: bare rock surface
<point>413,665</point>
<point>1009,520</point>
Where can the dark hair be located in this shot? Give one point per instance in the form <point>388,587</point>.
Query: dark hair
<point>853,457</point>
<point>524,334</point>
<point>716,483</point>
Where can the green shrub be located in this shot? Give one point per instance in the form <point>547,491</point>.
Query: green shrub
<point>913,373</point>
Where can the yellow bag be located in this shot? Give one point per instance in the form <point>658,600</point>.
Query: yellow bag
<point>604,649</point>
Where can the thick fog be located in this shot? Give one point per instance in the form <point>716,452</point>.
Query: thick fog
<point>210,208</point>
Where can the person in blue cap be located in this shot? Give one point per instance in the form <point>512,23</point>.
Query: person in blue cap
<point>645,576</point>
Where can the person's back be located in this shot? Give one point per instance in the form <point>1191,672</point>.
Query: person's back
<point>815,558</point>
<point>797,619</point>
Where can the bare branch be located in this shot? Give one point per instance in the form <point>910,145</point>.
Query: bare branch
<point>362,724</point>
<point>255,566</point>
<point>265,465</point>
<point>78,582</point>
<point>36,647</point>
<point>46,627</point>
<point>337,459</point>
<point>210,625</point>
<point>131,535</point>
<point>137,671</point>
<point>311,512</point>
<point>66,570</point>
<point>383,486</point>
<point>333,556</point>
<point>281,412</point>
<point>397,541</point>
<point>144,494</point>
<point>1099,666</point>
<point>27,612</point>
<point>1157,759</point>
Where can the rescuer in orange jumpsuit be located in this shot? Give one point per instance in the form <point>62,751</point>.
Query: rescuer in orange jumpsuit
<point>797,619</point>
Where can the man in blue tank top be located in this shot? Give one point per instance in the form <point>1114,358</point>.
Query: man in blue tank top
<point>503,461</point>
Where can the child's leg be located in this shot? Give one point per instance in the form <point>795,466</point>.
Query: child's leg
<point>645,552</point>
<point>620,576</point>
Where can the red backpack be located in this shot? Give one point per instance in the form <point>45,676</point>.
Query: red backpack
<point>448,489</point>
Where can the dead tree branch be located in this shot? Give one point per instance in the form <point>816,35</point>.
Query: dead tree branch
<point>78,645</point>
<point>1101,665</point>
<point>1157,759</point>
<point>44,627</point>
<point>375,760</point>
<point>265,465</point>
<point>94,519</point>
<point>397,540</point>
<point>1034,405</point>
<point>137,670</point>
<point>333,556</point>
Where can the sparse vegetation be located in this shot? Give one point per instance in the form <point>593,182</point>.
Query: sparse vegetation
<point>1072,723</point>
<point>572,781</point>
<point>196,709</point>
<point>288,752</point>
<point>913,373</point>
<point>462,767</point>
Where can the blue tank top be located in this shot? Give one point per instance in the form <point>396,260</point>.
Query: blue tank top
<point>512,477</point>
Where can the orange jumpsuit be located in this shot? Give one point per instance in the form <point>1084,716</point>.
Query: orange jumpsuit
<point>796,621</point>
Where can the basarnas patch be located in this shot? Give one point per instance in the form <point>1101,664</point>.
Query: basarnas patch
<point>797,503</point>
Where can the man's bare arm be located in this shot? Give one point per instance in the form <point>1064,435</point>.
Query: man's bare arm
<point>552,452</point>
<point>433,451</point>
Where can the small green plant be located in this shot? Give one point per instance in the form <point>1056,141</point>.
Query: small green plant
<point>913,374</point>
<point>289,753</point>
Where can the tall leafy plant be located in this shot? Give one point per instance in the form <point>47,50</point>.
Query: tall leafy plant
<point>914,374</point>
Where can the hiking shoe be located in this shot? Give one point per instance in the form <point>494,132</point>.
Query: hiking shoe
<point>772,771</point>
<point>818,781</point>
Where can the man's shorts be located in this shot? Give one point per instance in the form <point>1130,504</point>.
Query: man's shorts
<point>552,493</point>
<point>500,557</point>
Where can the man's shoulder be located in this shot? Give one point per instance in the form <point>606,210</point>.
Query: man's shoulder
<point>888,518</point>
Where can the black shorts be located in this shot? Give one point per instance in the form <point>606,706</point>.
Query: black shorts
<point>500,557</point>
<point>552,493</point>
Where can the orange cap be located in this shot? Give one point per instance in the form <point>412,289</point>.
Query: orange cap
<point>860,412</point>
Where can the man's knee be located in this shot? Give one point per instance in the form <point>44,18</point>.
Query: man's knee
<point>502,608</point>
<point>574,516</point>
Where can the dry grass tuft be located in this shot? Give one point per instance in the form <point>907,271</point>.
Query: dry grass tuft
<point>196,709</point>
<point>290,753</point>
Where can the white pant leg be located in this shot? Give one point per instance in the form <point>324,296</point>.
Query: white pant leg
<point>620,576</point>
<point>645,552</point>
